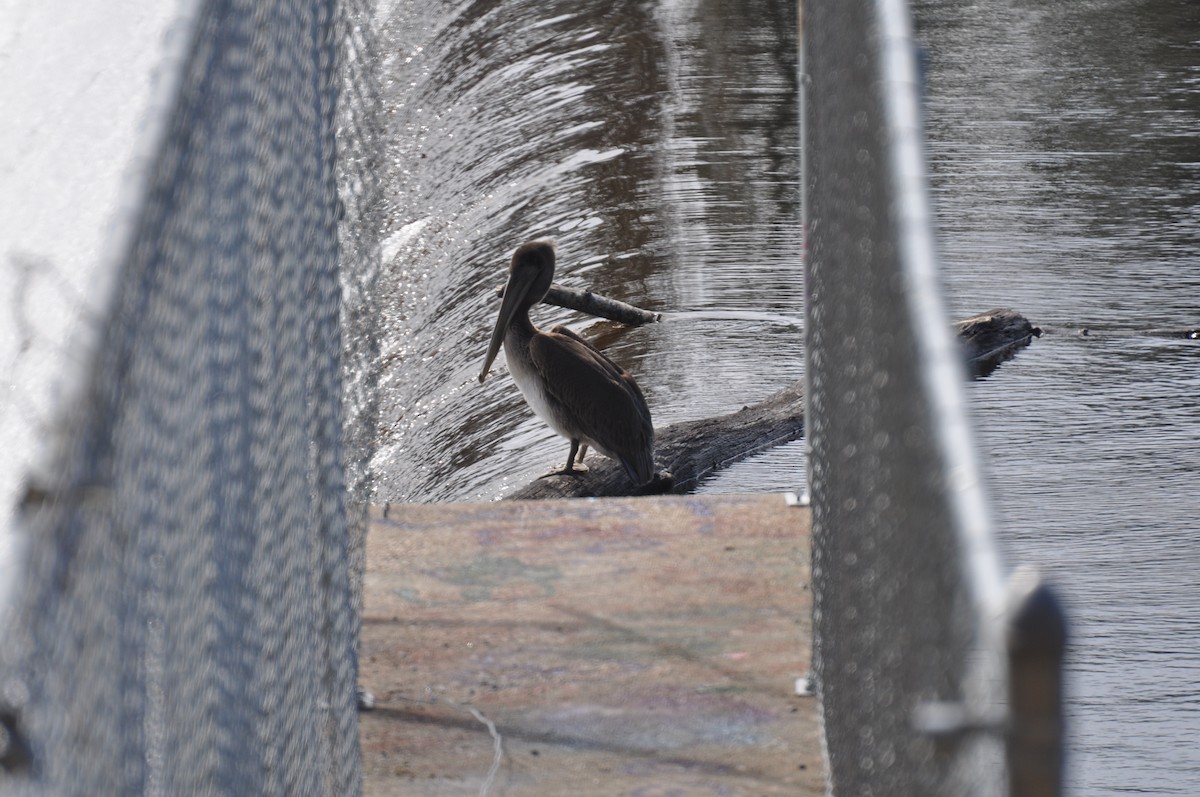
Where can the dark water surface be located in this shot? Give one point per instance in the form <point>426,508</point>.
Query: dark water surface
<point>1064,141</point>
<point>657,142</point>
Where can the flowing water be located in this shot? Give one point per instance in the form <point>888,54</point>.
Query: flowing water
<point>656,141</point>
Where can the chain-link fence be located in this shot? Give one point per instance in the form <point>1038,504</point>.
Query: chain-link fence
<point>909,596</point>
<point>360,141</point>
<point>183,621</point>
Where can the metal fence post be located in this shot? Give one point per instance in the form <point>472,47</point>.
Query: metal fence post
<point>1037,641</point>
<point>908,589</point>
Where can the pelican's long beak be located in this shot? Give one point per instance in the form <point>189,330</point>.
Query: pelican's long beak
<point>515,291</point>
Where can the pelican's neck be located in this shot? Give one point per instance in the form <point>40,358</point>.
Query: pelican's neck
<point>521,328</point>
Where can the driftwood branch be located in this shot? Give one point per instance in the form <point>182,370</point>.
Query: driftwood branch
<point>694,449</point>
<point>597,305</point>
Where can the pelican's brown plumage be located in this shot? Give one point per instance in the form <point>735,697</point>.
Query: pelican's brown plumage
<point>568,382</point>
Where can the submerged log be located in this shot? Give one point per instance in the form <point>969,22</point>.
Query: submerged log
<point>692,450</point>
<point>1178,333</point>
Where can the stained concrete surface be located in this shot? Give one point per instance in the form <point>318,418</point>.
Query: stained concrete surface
<point>615,646</point>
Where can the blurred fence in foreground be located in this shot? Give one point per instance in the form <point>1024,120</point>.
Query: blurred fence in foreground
<point>910,597</point>
<point>183,622</point>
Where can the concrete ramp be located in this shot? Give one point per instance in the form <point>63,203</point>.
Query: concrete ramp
<point>590,647</point>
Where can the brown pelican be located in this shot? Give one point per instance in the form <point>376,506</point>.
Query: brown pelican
<point>569,384</point>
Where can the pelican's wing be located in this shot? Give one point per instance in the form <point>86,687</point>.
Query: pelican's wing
<point>599,395</point>
<point>617,370</point>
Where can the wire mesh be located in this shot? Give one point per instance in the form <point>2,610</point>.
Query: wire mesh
<point>907,584</point>
<point>360,140</point>
<point>184,622</point>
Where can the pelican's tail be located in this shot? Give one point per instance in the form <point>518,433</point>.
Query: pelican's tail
<point>639,465</point>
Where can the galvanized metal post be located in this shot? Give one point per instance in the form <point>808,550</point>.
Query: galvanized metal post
<point>908,591</point>
<point>1037,641</point>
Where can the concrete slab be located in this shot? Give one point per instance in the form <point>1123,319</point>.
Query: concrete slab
<point>590,647</point>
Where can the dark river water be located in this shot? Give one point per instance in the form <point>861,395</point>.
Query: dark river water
<point>1064,141</point>
<point>657,142</point>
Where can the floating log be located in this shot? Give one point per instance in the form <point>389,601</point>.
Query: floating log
<point>692,450</point>
<point>992,338</point>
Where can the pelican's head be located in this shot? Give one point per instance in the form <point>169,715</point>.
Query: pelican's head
<point>529,278</point>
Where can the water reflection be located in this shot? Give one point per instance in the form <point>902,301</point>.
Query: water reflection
<point>1064,149</point>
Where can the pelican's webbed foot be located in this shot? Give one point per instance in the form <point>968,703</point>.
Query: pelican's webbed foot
<point>575,463</point>
<point>574,466</point>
